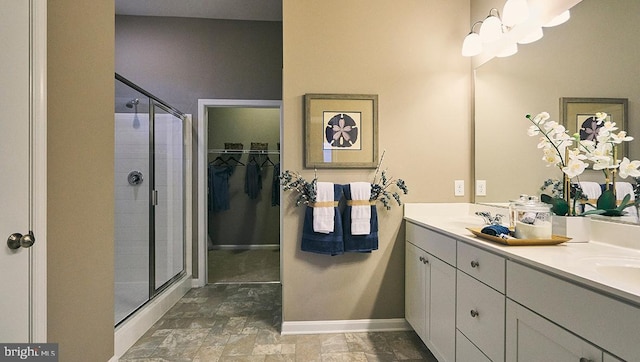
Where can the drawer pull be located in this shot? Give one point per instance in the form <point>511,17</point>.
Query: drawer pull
<point>424,260</point>
<point>474,313</point>
<point>474,264</point>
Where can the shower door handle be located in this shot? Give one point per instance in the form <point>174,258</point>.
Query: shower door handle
<point>17,240</point>
<point>154,197</point>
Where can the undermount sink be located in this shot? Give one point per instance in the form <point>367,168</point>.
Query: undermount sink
<point>623,269</point>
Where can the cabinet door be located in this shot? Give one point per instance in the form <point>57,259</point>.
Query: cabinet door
<point>442,314</point>
<point>467,352</point>
<point>416,286</point>
<point>530,338</point>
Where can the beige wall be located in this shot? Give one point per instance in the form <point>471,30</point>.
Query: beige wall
<point>80,178</point>
<point>407,52</point>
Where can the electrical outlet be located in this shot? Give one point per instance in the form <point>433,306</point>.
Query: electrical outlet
<point>481,187</point>
<point>458,187</point>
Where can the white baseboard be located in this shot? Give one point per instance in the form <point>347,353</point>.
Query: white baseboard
<point>346,326</point>
<point>135,327</point>
<point>247,247</point>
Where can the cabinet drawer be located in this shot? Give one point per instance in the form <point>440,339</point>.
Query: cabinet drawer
<point>487,267</point>
<point>467,352</point>
<point>480,313</point>
<point>438,245</point>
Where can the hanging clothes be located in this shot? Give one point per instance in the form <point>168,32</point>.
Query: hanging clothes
<point>275,185</point>
<point>219,187</point>
<point>253,180</point>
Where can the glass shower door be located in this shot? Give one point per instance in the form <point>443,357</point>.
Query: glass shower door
<point>131,218</point>
<point>169,195</point>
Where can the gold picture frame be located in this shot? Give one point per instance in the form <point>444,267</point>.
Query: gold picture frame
<point>578,116</point>
<point>341,130</point>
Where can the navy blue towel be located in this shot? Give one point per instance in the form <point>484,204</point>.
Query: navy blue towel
<point>359,243</point>
<point>495,230</point>
<point>329,244</point>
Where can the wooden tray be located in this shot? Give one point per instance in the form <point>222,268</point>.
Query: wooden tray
<point>555,239</point>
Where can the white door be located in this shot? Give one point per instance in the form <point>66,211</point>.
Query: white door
<point>14,170</point>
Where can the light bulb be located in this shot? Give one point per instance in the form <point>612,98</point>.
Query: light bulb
<point>491,29</point>
<point>515,12</point>
<point>508,51</point>
<point>558,19</point>
<point>535,35</point>
<point>472,45</point>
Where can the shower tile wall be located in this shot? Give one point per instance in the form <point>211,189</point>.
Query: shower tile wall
<point>132,213</point>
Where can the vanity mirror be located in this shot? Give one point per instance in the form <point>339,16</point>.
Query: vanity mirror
<point>593,55</point>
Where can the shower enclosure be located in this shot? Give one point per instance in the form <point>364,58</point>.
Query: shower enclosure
<point>149,197</point>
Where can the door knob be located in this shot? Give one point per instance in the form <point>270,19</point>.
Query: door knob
<point>17,240</point>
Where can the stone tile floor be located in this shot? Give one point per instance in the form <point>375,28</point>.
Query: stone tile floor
<point>241,322</point>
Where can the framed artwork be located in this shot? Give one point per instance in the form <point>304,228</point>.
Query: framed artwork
<point>578,116</point>
<point>341,130</point>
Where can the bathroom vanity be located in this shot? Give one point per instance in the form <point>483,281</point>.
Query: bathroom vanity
<point>475,300</point>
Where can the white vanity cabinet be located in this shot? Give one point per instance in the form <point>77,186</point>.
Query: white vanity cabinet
<point>551,319</point>
<point>480,303</point>
<point>430,280</point>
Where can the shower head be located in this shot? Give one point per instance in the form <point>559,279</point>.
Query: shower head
<point>133,102</point>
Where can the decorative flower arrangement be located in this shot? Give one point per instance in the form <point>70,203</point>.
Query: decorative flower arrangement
<point>379,187</point>
<point>570,154</point>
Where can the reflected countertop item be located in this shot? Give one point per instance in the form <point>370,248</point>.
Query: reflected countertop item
<point>609,262</point>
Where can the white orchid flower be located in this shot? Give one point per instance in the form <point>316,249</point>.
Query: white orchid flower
<point>574,167</point>
<point>541,117</point>
<point>551,157</point>
<point>620,137</point>
<point>629,168</point>
<point>603,163</point>
<point>608,126</point>
<point>533,131</point>
<point>601,116</point>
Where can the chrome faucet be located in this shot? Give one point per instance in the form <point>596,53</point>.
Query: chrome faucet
<point>488,219</point>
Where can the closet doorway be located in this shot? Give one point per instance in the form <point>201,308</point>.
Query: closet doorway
<point>239,211</point>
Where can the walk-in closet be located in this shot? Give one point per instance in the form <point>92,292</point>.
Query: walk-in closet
<point>243,195</point>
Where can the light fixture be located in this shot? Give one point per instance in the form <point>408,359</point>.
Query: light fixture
<point>563,17</point>
<point>515,12</point>
<point>491,28</point>
<point>509,50</point>
<point>534,35</point>
<point>472,44</point>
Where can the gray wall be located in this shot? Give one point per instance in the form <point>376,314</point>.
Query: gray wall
<point>181,60</point>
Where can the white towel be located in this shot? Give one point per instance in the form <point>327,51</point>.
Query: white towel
<point>360,211</point>
<point>323,209</point>
<point>623,189</point>
<point>592,190</point>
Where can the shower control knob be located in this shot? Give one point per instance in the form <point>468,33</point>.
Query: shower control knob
<point>17,240</point>
<point>135,178</point>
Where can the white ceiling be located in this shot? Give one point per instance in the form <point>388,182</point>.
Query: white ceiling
<point>263,10</point>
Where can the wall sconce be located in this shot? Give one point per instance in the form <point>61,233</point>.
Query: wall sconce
<point>515,12</point>
<point>560,19</point>
<point>472,44</point>
<point>491,28</point>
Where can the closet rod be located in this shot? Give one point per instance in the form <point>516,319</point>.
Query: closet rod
<point>260,152</point>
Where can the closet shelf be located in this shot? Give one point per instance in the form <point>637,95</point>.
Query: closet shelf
<point>235,152</point>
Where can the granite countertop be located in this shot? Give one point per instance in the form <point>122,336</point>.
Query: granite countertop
<point>578,262</point>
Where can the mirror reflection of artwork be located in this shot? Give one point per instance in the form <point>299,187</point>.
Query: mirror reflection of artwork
<point>341,130</point>
<point>589,126</point>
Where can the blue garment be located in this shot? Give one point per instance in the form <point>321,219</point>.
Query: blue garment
<point>331,243</point>
<point>219,187</point>
<point>275,186</point>
<point>253,181</point>
<point>359,243</point>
